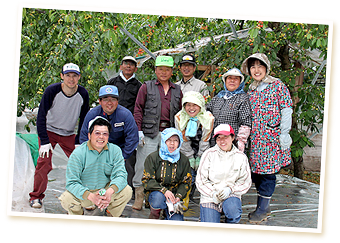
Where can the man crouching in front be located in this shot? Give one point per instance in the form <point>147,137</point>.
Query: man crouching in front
<point>96,175</point>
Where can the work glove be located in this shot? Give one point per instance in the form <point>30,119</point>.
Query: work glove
<point>197,163</point>
<point>192,162</point>
<point>224,193</point>
<point>45,150</point>
<point>178,207</point>
<point>285,125</point>
<point>216,200</point>
<point>141,138</point>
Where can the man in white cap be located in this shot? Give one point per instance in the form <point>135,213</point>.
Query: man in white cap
<point>127,83</point>
<point>62,104</point>
<point>95,174</point>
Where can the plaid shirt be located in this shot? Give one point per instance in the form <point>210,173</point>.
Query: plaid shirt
<point>234,111</point>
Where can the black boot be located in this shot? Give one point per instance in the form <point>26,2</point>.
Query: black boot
<point>262,210</point>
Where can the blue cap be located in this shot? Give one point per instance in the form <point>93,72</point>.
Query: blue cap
<point>108,90</point>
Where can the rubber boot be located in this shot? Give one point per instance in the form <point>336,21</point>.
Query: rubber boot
<point>154,213</point>
<point>262,210</point>
<point>139,198</point>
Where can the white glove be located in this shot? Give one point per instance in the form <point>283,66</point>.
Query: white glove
<point>215,198</point>
<point>45,149</point>
<point>178,207</point>
<point>223,193</point>
<point>286,123</point>
<point>141,138</point>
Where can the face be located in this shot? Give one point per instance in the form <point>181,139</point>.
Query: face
<point>163,73</point>
<point>258,71</point>
<point>109,104</point>
<point>187,70</point>
<point>232,82</point>
<point>128,68</point>
<point>70,80</point>
<point>99,137</point>
<point>172,143</point>
<point>192,109</point>
<point>224,142</point>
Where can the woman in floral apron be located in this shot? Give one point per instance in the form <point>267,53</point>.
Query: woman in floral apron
<point>271,106</point>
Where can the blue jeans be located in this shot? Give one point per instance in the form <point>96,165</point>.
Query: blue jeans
<point>264,184</point>
<point>232,209</point>
<point>157,200</point>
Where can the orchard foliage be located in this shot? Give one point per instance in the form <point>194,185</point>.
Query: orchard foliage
<point>96,42</point>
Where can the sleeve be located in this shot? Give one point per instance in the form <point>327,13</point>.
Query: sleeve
<point>74,169</point>
<point>203,184</point>
<point>131,136</point>
<point>139,106</point>
<point>149,175</point>
<point>285,98</point>
<point>83,134</point>
<point>45,104</point>
<point>84,110</point>
<point>185,184</point>
<point>243,183</point>
<point>118,176</point>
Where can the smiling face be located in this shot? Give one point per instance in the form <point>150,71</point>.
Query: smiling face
<point>232,82</point>
<point>172,143</point>
<point>258,71</point>
<point>109,104</point>
<point>163,73</point>
<point>224,142</point>
<point>187,70</point>
<point>70,79</point>
<point>192,109</point>
<point>128,68</point>
<point>99,137</point>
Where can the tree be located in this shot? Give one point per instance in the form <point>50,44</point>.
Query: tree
<point>96,42</point>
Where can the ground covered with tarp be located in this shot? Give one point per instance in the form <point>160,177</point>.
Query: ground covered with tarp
<point>295,202</point>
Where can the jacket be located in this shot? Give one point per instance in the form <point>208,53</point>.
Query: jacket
<point>219,169</point>
<point>124,129</point>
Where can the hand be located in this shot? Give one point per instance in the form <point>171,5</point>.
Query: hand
<point>170,197</point>
<point>45,150</point>
<point>141,138</point>
<point>99,201</point>
<point>178,207</point>
<point>223,193</point>
<point>216,200</point>
<point>197,163</point>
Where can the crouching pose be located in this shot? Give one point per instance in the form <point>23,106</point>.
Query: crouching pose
<point>222,177</point>
<point>167,177</point>
<point>94,165</point>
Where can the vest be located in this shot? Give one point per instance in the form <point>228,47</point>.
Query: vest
<point>152,109</point>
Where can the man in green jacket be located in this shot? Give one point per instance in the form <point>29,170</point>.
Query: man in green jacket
<point>93,166</point>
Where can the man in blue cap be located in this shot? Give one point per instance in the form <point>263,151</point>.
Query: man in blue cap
<point>124,129</point>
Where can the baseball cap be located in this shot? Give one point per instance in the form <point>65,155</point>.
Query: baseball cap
<point>71,68</point>
<point>96,118</point>
<point>108,90</point>
<point>233,72</point>
<point>188,58</point>
<point>224,129</point>
<point>167,61</point>
<point>129,58</point>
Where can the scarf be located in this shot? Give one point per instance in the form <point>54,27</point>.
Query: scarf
<point>226,94</point>
<point>164,151</point>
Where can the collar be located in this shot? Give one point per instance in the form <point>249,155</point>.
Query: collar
<point>91,148</point>
<point>123,77</point>
<point>171,84</point>
<point>188,82</point>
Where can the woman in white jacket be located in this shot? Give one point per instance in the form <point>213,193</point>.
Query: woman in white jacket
<point>223,176</point>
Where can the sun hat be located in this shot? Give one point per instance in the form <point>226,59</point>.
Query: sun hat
<point>167,61</point>
<point>233,72</point>
<point>223,129</point>
<point>71,68</point>
<point>188,58</point>
<point>108,90</point>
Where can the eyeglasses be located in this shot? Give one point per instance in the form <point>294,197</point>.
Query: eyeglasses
<point>104,134</point>
<point>109,99</point>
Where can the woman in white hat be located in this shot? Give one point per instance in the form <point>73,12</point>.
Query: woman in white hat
<point>231,106</point>
<point>271,106</point>
<point>223,176</point>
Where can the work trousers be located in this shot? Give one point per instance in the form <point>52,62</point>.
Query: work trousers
<point>44,165</point>
<point>75,206</point>
<point>151,145</point>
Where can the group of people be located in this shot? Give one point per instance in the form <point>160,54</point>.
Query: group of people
<point>159,141</point>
